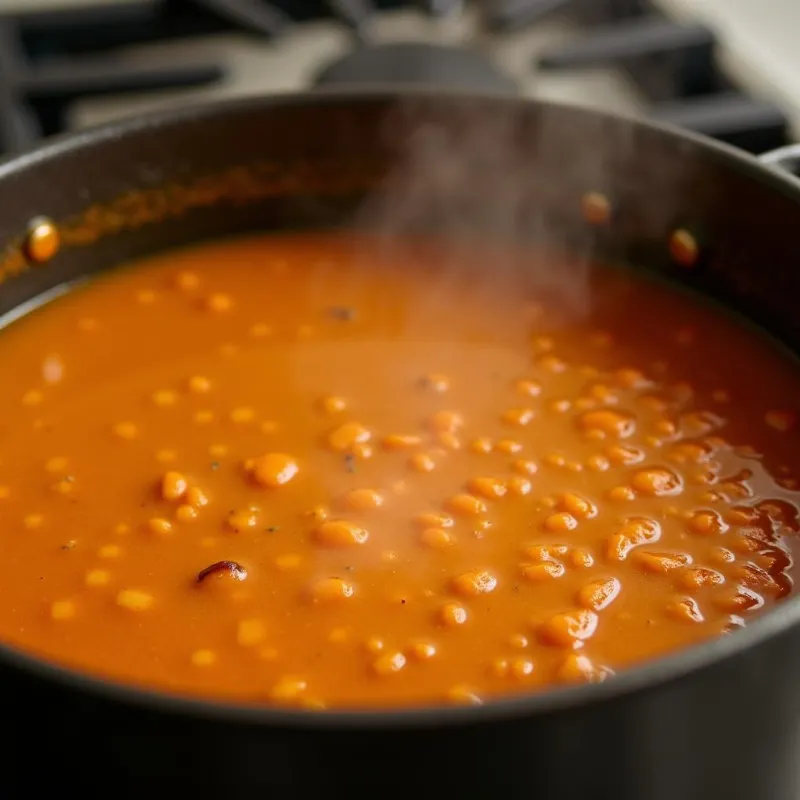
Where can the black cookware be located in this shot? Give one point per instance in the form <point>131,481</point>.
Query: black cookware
<point>716,722</point>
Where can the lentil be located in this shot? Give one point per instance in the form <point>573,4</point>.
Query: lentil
<point>341,533</point>
<point>543,571</point>
<point>568,629</point>
<point>273,469</point>
<point>474,582</point>
<point>599,594</point>
<point>327,590</point>
<point>436,538</point>
<point>466,505</point>
<point>134,600</point>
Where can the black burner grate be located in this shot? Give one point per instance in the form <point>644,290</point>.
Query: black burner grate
<point>49,59</point>
<point>674,65</point>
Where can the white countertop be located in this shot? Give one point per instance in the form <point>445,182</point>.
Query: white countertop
<point>759,44</point>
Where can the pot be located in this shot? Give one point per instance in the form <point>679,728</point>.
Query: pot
<point>717,720</point>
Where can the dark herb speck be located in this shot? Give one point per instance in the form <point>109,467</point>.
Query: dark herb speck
<point>350,462</point>
<point>215,465</point>
<point>342,313</point>
<point>272,529</point>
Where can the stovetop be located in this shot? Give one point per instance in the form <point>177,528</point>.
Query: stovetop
<point>724,67</point>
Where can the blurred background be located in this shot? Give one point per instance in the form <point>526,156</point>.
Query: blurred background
<point>727,68</point>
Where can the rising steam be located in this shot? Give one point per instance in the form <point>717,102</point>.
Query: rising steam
<point>468,176</point>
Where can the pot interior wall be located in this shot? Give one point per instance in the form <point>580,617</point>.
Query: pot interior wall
<point>460,167</point>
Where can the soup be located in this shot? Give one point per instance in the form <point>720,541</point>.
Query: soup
<point>318,471</point>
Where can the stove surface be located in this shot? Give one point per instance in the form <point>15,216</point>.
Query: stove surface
<point>293,61</point>
<point>551,49</point>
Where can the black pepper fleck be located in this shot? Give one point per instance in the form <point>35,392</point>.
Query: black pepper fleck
<point>342,313</point>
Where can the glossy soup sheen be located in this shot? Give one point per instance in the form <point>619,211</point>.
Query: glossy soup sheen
<point>326,472</point>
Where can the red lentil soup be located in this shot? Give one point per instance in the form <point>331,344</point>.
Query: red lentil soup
<point>315,471</point>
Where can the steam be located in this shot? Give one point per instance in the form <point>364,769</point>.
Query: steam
<point>468,177</point>
<point>498,187</point>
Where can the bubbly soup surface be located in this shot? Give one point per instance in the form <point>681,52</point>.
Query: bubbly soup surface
<point>313,470</point>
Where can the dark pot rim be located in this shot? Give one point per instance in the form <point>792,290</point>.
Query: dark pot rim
<point>656,672</point>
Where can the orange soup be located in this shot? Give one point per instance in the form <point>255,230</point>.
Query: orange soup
<point>318,471</point>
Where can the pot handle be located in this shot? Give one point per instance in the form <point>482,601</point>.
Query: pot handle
<point>784,159</point>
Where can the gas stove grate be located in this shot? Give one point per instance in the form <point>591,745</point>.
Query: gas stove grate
<point>50,59</point>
